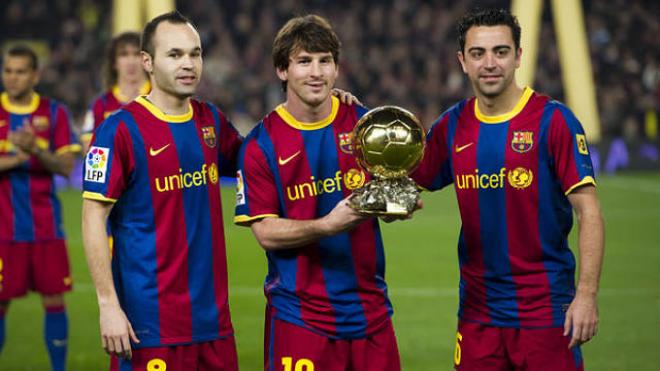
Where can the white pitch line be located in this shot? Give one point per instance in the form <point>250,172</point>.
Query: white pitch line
<point>414,292</point>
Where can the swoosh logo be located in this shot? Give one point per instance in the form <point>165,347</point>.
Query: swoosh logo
<point>156,152</point>
<point>286,160</point>
<point>459,149</point>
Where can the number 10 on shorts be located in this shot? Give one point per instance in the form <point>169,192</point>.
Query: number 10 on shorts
<point>302,364</point>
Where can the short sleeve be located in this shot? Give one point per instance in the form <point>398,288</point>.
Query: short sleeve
<point>109,161</point>
<point>229,141</point>
<point>434,171</point>
<point>64,138</point>
<point>569,151</point>
<point>256,193</point>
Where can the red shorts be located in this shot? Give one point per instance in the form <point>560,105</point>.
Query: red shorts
<point>289,347</point>
<point>38,266</point>
<point>488,348</point>
<point>215,355</point>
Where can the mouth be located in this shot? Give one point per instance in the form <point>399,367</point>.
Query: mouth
<point>187,80</point>
<point>316,86</point>
<point>490,78</point>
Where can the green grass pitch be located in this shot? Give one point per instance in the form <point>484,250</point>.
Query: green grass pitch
<point>422,274</point>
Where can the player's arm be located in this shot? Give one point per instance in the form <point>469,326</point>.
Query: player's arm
<point>61,162</point>
<point>115,327</point>
<point>8,162</point>
<point>582,315</point>
<point>280,233</point>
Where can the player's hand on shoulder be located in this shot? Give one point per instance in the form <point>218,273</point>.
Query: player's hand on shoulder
<point>116,331</point>
<point>346,97</point>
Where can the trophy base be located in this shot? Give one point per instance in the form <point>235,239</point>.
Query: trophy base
<point>391,196</point>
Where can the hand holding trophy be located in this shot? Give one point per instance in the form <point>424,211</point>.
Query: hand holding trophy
<point>389,143</point>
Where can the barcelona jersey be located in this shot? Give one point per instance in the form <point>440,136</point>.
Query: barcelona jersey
<point>103,106</point>
<point>512,174</point>
<point>162,173</point>
<point>29,208</point>
<point>335,286</point>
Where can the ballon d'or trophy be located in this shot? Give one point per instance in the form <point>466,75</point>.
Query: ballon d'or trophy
<point>388,142</point>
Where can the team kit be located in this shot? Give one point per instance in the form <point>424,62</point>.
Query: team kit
<point>153,225</point>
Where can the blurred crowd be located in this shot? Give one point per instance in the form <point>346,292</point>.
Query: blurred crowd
<point>400,52</point>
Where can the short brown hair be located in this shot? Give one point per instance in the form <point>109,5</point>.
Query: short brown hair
<point>174,16</point>
<point>109,71</point>
<point>311,33</point>
<point>21,50</point>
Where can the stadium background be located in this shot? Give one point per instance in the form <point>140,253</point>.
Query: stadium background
<point>395,52</point>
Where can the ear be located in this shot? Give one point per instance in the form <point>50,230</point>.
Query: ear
<point>461,60</point>
<point>283,74</point>
<point>518,57</point>
<point>147,62</point>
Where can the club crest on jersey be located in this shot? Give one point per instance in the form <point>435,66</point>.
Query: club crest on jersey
<point>522,141</point>
<point>346,142</point>
<point>40,123</point>
<point>208,133</point>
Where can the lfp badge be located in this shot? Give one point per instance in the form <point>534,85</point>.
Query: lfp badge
<point>96,164</point>
<point>522,141</point>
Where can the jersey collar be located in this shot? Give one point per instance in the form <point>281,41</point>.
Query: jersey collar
<point>291,121</point>
<point>19,110</point>
<point>142,100</point>
<point>527,93</point>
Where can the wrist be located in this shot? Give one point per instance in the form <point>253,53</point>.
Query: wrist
<point>585,290</point>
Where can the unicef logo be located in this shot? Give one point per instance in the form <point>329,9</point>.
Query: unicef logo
<point>96,158</point>
<point>354,179</point>
<point>520,177</point>
<point>213,173</point>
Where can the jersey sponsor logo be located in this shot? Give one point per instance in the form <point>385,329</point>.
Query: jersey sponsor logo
<point>96,163</point>
<point>285,161</point>
<point>461,148</point>
<point>582,144</point>
<point>240,189</point>
<point>346,142</point>
<point>191,179</point>
<point>208,133</point>
<point>40,123</point>
<point>156,152</point>
<point>353,178</point>
<point>522,141</point>
<point>518,178</point>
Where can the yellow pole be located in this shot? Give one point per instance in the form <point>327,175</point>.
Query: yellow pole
<point>126,16</point>
<point>577,75</point>
<point>155,8</point>
<point>529,16</point>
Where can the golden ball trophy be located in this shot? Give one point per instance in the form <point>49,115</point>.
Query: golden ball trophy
<point>388,142</point>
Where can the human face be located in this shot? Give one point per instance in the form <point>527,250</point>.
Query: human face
<point>18,77</point>
<point>310,77</point>
<point>176,65</point>
<point>128,62</point>
<point>490,59</point>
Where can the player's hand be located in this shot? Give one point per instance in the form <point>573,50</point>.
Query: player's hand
<point>342,218</point>
<point>581,319</point>
<point>393,218</point>
<point>24,139</point>
<point>345,97</point>
<point>116,332</point>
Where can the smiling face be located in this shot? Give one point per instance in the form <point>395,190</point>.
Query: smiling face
<point>490,59</point>
<point>309,77</point>
<point>176,64</point>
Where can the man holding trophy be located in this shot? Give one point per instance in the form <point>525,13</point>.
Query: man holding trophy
<point>328,307</point>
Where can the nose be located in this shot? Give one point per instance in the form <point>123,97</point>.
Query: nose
<point>186,62</point>
<point>316,70</point>
<point>490,61</point>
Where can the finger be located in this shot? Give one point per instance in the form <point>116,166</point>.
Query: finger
<point>104,343</point>
<point>567,324</point>
<point>577,336</point>
<point>125,347</point>
<point>132,334</point>
<point>110,345</point>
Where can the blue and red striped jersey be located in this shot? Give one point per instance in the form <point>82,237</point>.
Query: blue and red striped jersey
<point>29,208</point>
<point>103,106</point>
<point>512,174</point>
<point>300,171</point>
<point>162,172</point>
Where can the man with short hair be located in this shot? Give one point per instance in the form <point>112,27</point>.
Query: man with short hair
<point>36,142</point>
<point>154,168</point>
<point>520,166</point>
<point>328,307</point>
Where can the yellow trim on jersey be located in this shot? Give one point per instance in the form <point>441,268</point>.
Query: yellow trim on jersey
<point>86,136</point>
<point>162,115</point>
<point>72,148</point>
<point>97,197</point>
<point>289,119</point>
<point>585,181</point>
<point>527,93</point>
<point>144,90</point>
<point>19,110</point>
<point>6,146</point>
<point>42,143</point>
<point>241,219</point>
